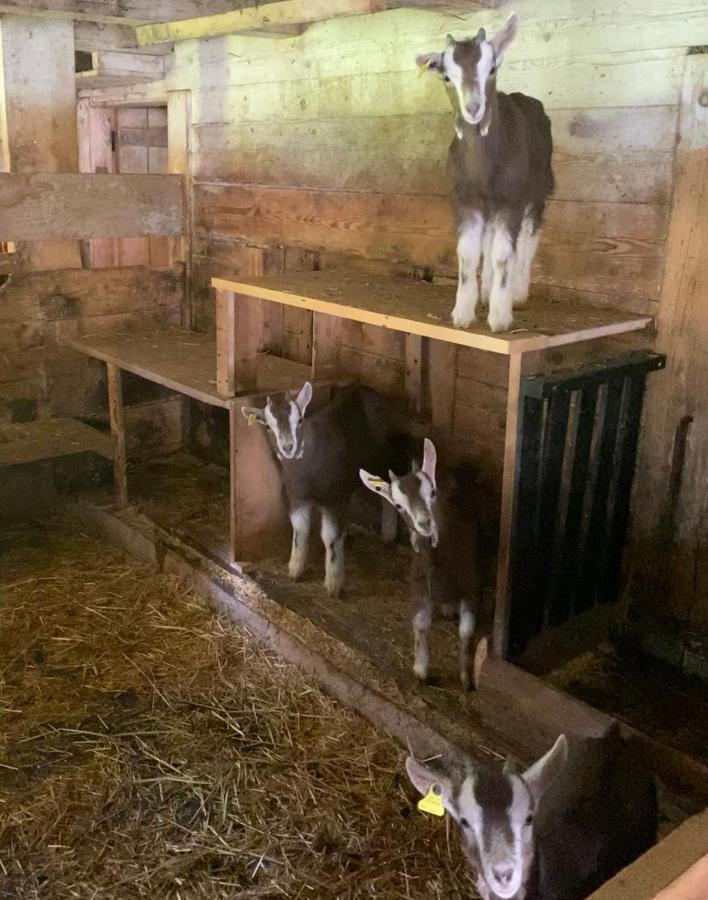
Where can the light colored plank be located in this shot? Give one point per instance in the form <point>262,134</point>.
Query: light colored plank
<point>600,154</point>
<point>129,12</point>
<point>116,414</point>
<point>48,438</point>
<point>420,308</point>
<point>610,248</point>
<point>152,93</point>
<point>254,18</point>
<point>36,207</point>
<point>670,519</point>
<point>90,36</point>
<point>598,81</point>
<point>114,62</point>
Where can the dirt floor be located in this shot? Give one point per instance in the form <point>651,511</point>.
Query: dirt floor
<point>151,749</point>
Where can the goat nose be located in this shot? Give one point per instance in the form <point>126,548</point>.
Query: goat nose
<point>474,108</point>
<point>503,874</point>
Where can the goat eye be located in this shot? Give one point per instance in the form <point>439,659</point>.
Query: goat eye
<point>445,78</point>
<point>529,819</point>
<point>493,70</point>
<point>464,822</point>
<point>398,506</point>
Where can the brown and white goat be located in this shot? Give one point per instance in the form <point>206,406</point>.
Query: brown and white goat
<point>320,456</point>
<point>500,161</point>
<point>445,567</point>
<point>576,817</point>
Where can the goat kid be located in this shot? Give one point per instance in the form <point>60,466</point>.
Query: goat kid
<point>576,817</point>
<point>500,161</point>
<point>445,566</point>
<point>319,457</point>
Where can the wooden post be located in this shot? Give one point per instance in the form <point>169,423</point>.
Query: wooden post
<point>669,542</point>
<point>179,137</point>
<point>41,116</point>
<point>226,343</point>
<point>326,344</point>
<point>415,348</point>
<point>115,409</point>
<point>520,365</point>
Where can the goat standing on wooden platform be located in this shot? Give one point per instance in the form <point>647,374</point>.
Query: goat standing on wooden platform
<point>576,817</point>
<point>320,456</point>
<point>446,566</point>
<point>500,161</point>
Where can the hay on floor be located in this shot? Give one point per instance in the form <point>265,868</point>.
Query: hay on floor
<point>150,749</point>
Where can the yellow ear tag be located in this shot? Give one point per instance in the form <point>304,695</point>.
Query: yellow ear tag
<point>424,68</point>
<point>432,802</point>
<point>251,419</point>
<point>378,483</point>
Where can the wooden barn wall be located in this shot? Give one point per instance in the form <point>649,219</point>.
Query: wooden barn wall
<point>40,376</point>
<point>332,141</point>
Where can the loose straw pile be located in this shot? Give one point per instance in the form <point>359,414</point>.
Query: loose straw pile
<point>150,749</point>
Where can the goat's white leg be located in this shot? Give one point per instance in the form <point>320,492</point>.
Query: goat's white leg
<point>300,518</point>
<point>469,247</point>
<point>526,245</point>
<point>501,316</point>
<point>389,523</point>
<point>421,627</point>
<point>333,539</point>
<point>487,265</point>
<point>467,626</point>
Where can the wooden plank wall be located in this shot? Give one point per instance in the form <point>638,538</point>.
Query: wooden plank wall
<point>39,377</point>
<point>331,140</point>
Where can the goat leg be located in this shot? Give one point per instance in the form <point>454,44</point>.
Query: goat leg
<point>300,518</point>
<point>333,540</point>
<point>467,626</point>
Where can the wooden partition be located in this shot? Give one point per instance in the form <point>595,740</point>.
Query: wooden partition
<point>69,205</point>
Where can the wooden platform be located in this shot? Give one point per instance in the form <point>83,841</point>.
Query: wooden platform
<point>422,308</point>
<point>29,442</point>
<point>185,361</point>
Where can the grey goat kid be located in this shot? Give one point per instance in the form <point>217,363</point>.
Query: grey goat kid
<point>320,455</point>
<point>500,162</point>
<point>576,817</point>
<point>445,567</point>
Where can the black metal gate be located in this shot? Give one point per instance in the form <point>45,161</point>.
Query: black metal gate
<point>578,444</point>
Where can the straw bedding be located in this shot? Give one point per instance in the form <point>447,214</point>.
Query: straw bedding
<point>151,749</point>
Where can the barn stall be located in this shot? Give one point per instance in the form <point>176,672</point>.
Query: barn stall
<point>207,206</point>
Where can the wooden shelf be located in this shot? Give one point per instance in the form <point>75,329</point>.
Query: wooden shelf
<point>422,308</point>
<point>29,442</point>
<point>185,361</point>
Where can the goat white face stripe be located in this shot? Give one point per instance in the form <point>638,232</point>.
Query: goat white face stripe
<point>484,68</point>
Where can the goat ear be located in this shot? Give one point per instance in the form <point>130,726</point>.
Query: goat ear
<point>422,778</point>
<point>481,36</point>
<point>501,40</point>
<point>253,414</point>
<point>430,458</point>
<point>430,62</point>
<point>375,484</point>
<point>303,398</point>
<point>545,770</point>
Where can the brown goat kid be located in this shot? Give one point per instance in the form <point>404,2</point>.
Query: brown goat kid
<point>500,162</point>
<point>446,565</point>
<point>576,817</point>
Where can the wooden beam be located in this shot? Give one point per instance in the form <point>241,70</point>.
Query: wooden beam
<point>126,12</point>
<point>39,207</point>
<point>256,18</point>
<point>226,343</point>
<point>414,371</point>
<point>115,409</point>
<point>121,67</point>
<point>90,36</point>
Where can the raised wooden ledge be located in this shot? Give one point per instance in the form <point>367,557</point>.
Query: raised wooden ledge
<point>185,361</point>
<point>422,308</point>
<point>28,442</point>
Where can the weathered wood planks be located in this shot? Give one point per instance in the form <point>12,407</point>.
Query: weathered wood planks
<point>37,207</point>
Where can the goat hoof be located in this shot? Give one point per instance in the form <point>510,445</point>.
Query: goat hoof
<point>519,301</point>
<point>462,321</point>
<point>333,589</point>
<point>500,323</point>
<point>296,572</point>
